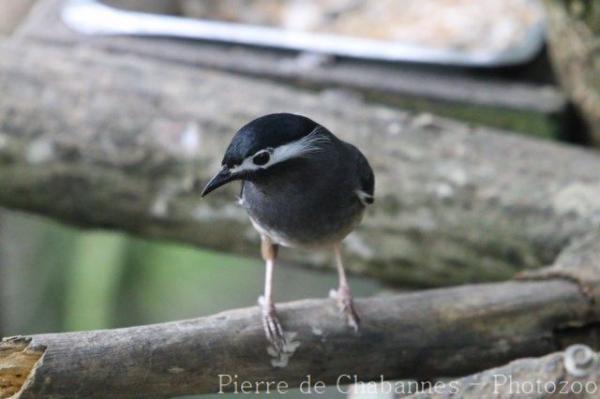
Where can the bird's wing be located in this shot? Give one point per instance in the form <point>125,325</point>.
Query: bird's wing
<point>365,189</point>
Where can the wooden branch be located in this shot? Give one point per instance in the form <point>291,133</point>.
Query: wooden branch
<point>460,330</point>
<point>12,13</point>
<point>443,332</point>
<point>574,373</point>
<point>572,42</point>
<point>101,139</point>
<point>106,140</point>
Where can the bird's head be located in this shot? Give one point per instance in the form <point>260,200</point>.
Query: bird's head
<point>265,142</point>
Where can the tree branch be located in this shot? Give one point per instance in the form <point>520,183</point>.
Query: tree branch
<point>572,36</point>
<point>443,332</point>
<point>574,373</point>
<point>105,140</point>
<point>461,330</point>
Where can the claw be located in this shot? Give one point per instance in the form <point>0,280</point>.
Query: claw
<point>346,305</point>
<point>272,326</point>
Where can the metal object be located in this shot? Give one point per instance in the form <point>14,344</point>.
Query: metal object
<point>94,18</point>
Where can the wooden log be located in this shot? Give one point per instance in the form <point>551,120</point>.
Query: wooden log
<point>573,43</point>
<point>107,140</point>
<point>12,13</point>
<point>574,373</point>
<point>461,330</point>
<point>442,332</point>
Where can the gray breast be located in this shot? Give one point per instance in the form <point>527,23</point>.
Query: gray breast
<point>307,201</point>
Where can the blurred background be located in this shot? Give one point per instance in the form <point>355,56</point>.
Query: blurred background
<point>500,63</point>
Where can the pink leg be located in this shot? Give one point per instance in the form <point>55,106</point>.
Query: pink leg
<point>271,324</point>
<point>343,295</point>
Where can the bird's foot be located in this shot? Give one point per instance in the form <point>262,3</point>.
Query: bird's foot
<point>272,326</point>
<point>343,296</point>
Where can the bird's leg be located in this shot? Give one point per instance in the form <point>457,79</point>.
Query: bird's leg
<point>271,323</point>
<point>342,295</point>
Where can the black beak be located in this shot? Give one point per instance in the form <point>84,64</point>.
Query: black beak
<point>221,178</point>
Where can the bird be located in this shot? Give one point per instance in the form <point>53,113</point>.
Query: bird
<point>302,187</point>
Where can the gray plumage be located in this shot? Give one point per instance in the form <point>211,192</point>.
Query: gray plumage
<point>301,186</point>
<point>314,200</point>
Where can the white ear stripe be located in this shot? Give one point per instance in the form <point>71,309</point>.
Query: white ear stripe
<point>295,149</point>
<point>365,198</point>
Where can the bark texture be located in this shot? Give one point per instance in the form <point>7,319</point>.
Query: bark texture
<point>109,140</point>
<point>443,332</point>
<point>99,138</point>
<point>573,32</point>
<point>12,13</point>
<point>574,373</point>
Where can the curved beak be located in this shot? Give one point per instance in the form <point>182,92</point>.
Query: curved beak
<point>223,177</point>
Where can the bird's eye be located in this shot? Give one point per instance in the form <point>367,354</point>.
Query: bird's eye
<point>261,158</point>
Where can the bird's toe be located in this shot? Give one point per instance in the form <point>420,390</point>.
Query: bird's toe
<point>274,332</point>
<point>345,303</point>
<point>272,326</point>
